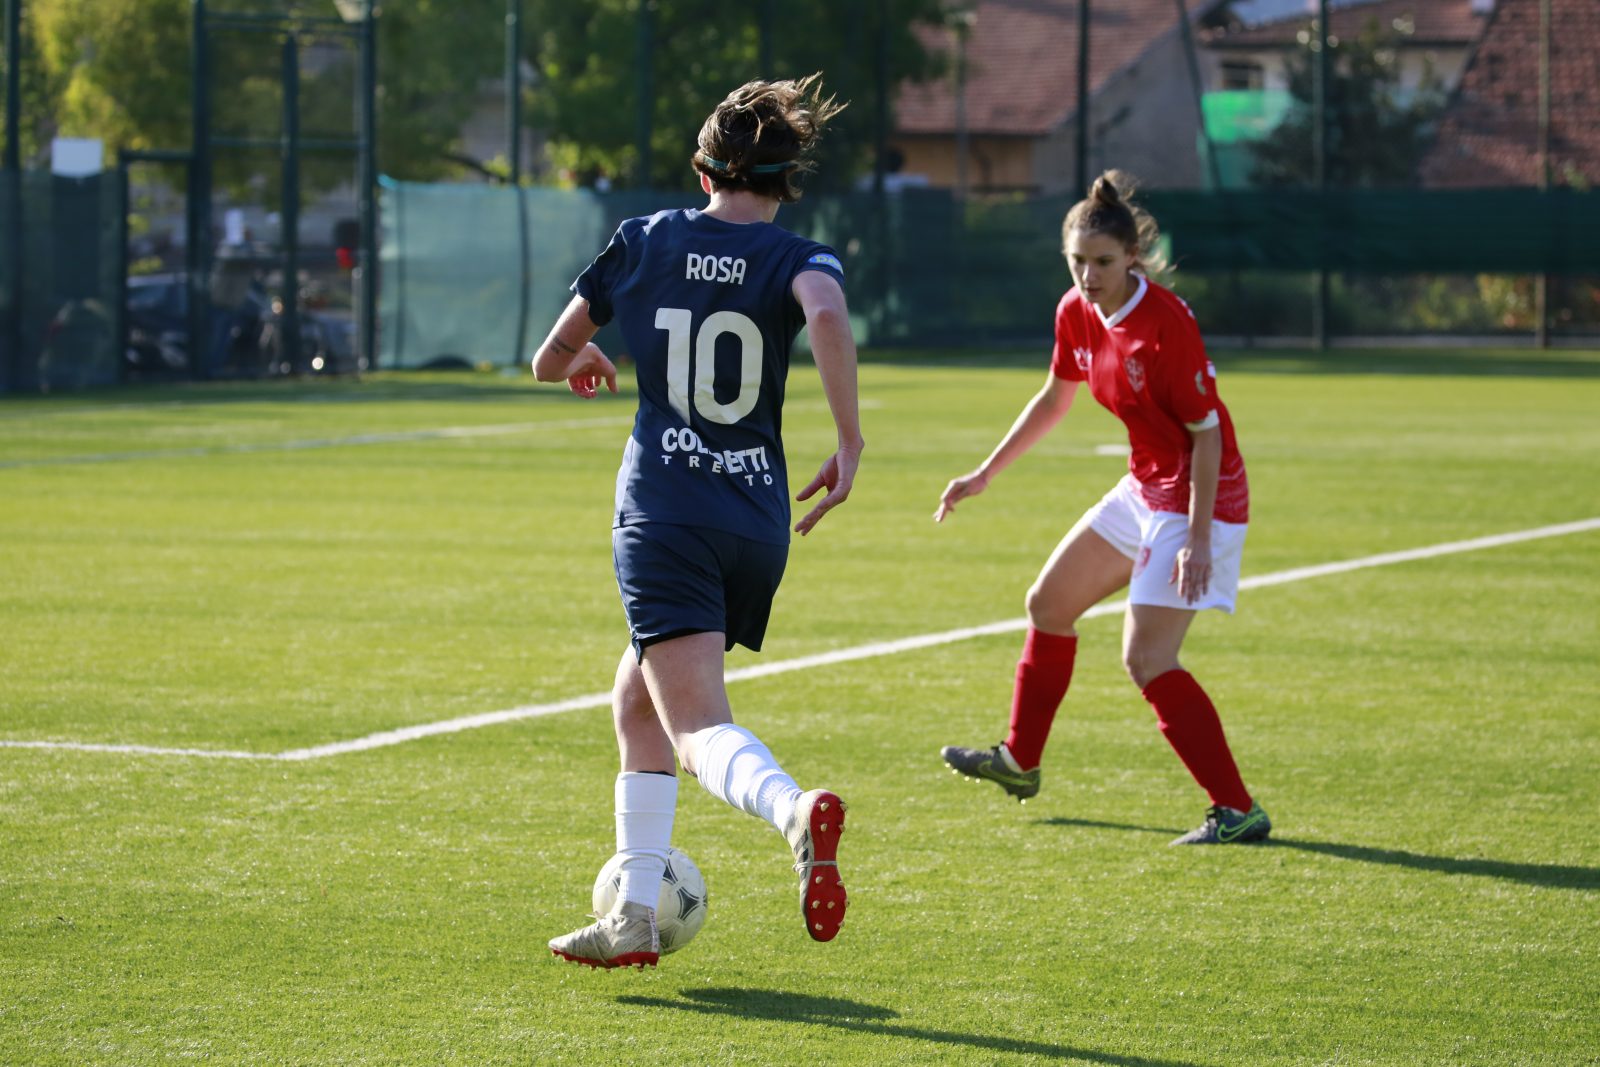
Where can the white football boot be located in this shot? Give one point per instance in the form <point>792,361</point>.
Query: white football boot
<point>626,937</point>
<point>813,832</point>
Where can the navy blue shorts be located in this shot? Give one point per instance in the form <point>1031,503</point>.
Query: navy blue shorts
<point>678,580</point>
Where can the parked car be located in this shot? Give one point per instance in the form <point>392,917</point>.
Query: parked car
<point>158,323</point>
<point>249,334</point>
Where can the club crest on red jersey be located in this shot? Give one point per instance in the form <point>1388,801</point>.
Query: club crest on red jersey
<point>1084,358</point>
<point>1135,371</point>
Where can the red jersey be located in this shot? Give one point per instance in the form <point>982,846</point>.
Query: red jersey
<point>1147,366</point>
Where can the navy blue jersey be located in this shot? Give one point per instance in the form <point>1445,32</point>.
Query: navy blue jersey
<point>707,314</point>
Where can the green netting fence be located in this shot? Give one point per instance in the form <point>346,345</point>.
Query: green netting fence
<point>479,273</point>
<point>63,331</point>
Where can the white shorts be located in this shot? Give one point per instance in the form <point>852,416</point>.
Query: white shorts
<point>1152,539</point>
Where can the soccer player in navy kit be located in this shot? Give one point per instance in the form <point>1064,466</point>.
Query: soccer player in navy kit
<point>709,303</point>
<point>1172,531</point>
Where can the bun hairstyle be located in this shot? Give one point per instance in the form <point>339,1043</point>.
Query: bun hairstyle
<point>1109,209</point>
<point>761,137</point>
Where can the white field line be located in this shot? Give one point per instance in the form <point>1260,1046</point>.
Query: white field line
<point>396,437</point>
<point>823,659</point>
<point>441,433</point>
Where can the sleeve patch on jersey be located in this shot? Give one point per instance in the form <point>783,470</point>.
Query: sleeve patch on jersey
<point>1200,382</point>
<point>823,259</point>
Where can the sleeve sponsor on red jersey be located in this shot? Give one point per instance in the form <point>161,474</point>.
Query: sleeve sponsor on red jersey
<point>1070,359</point>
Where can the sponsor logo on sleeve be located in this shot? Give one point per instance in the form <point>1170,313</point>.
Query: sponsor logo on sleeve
<point>1084,358</point>
<point>1200,382</point>
<point>823,259</point>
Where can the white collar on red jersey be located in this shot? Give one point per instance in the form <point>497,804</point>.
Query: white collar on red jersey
<point>1126,309</point>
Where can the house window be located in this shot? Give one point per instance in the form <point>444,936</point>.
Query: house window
<point>1242,74</point>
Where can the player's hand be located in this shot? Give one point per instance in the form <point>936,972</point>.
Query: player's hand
<point>838,474</point>
<point>1192,570</point>
<point>588,370</point>
<point>959,489</point>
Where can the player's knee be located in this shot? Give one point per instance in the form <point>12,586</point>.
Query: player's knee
<point>1046,613</point>
<point>631,700</point>
<point>1144,665</point>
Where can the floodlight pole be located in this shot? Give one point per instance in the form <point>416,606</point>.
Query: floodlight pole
<point>1213,168</point>
<point>289,230</point>
<point>367,178</point>
<point>11,368</point>
<point>1319,161</point>
<point>13,158</point>
<point>514,90</point>
<point>764,33</point>
<point>963,21</point>
<point>1541,281</point>
<point>1082,184</point>
<point>198,253</point>
<point>644,59</point>
<point>880,207</point>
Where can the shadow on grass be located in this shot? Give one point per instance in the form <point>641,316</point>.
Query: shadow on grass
<point>1095,824</point>
<point>1550,875</point>
<point>770,1005</point>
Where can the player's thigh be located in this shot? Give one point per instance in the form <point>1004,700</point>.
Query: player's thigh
<point>684,675</point>
<point>1151,639</point>
<point>1163,537</point>
<point>1084,569</point>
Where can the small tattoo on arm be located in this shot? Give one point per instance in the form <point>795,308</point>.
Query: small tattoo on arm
<point>559,343</point>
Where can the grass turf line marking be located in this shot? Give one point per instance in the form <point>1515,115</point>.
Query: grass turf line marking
<point>443,433</point>
<point>397,437</point>
<point>821,659</point>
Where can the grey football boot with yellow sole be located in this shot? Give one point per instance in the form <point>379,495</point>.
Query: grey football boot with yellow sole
<point>1227,826</point>
<point>993,765</point>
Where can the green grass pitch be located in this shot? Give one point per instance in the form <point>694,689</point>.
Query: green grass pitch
<point>259,569</point>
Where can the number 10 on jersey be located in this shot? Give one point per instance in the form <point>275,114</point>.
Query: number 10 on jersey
<point>697,383</point>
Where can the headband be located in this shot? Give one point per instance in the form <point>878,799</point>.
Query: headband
<point>759,168</point>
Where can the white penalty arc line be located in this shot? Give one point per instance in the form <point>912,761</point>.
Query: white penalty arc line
<point>822,659</point>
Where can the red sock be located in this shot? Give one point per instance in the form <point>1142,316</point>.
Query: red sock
<point>1189,722</point>
<point>1043,674</point>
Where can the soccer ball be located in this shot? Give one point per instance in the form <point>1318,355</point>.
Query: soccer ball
<point>681,910</point>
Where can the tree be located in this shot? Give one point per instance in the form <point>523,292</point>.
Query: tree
<point>119,70</point>
<point>588,56</point>
<point>1376,135</point>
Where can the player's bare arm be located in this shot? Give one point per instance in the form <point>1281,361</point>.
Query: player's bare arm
<point>1048,406</point>
<point>569,354</point>
<point>1192,570</point>
<point>834,350</point>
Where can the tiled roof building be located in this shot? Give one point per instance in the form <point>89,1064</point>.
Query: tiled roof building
<point>1489,133</point>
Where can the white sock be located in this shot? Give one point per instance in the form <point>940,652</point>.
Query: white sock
<point>645,804</point>
<point>734,766</point>
<point>1010,760</point>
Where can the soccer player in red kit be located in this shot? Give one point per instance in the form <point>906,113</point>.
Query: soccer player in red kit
<point>1171,531</point>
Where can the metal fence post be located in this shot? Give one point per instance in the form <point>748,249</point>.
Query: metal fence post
<point>11,366</point>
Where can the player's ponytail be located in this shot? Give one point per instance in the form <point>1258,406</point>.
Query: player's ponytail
<point>762,136</point>
<point>1110,209</point>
